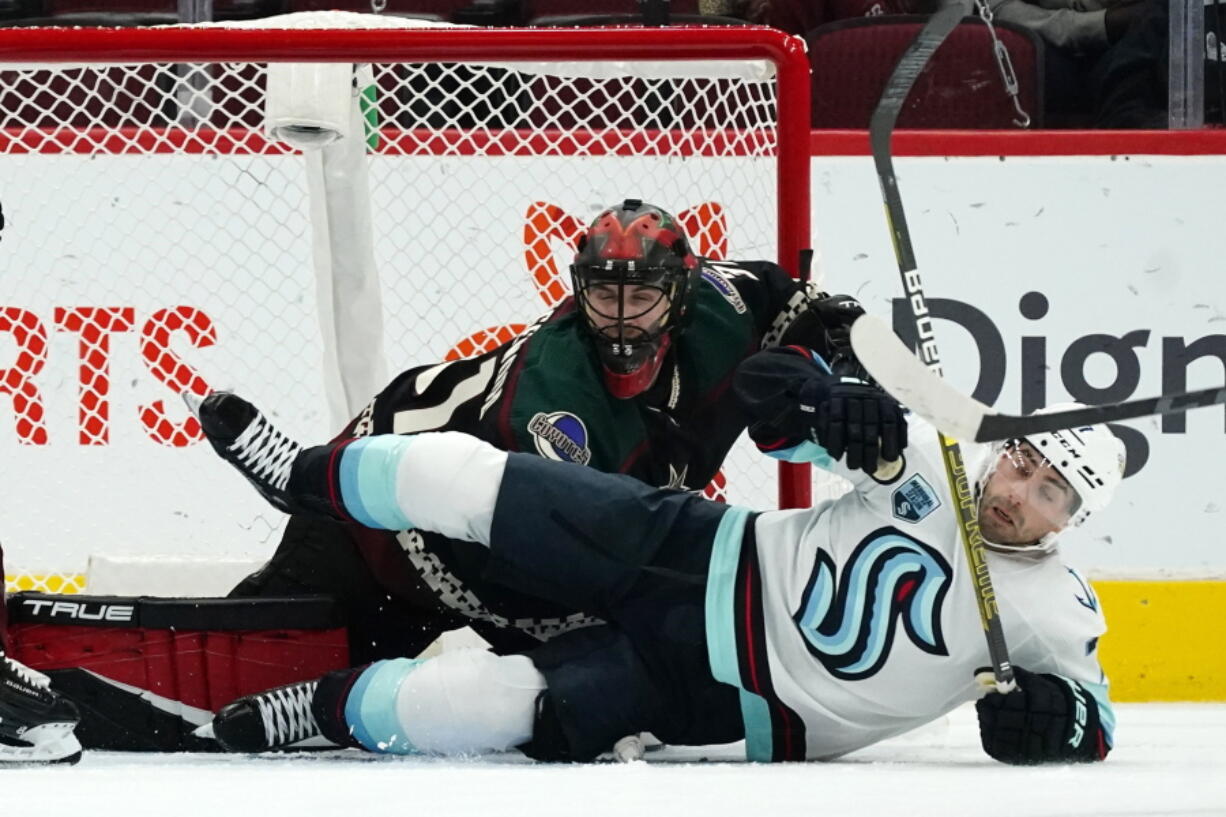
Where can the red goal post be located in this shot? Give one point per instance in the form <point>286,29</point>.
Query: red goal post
<point>163,236</point>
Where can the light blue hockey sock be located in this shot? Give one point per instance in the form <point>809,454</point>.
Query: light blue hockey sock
<point>370,710</point>
<point>368,471</point>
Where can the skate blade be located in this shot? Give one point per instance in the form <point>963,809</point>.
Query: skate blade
<point>193,403</point>
<point>49,743</point>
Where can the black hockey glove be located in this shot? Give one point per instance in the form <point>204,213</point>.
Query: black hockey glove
<point>855,419</point>
<point>1047,719</point>
<point>825,327</point>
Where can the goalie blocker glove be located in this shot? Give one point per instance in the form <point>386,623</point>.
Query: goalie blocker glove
<point>1047,719</point>
<point>36,723</point>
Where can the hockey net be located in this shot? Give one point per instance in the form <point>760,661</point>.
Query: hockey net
<point>162,235</point>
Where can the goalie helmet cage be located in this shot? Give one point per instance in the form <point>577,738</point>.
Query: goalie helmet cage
<point>161,238</point>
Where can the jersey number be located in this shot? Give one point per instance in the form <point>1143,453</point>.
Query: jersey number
<point>849,626</point>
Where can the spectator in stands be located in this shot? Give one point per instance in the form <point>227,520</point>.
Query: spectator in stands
<point>1076,26</point>
<point>1080,26</point>
<point>1079,35</point>
<point>1085,70</point>
<point>1130,80</point>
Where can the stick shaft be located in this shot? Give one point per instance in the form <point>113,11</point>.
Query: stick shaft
<point>881,131</point>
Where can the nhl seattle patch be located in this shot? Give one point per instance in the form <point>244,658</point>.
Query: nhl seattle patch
<point>560,436</point>
<point>915,499</point>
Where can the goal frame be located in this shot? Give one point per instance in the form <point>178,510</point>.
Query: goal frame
<point>208,44</point>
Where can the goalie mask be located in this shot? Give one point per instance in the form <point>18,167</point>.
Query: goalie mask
<point>1034,487</point>
<point>632,277</point>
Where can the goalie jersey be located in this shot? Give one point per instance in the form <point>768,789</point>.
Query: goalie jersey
<point>856,620</point>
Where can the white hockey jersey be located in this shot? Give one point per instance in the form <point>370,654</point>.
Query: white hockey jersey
<point>855,620</point>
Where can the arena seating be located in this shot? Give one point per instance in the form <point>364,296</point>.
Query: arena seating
<point>549,8</point>
<point>123,12</point>
<point>960,88</point>
<point>632,19</point>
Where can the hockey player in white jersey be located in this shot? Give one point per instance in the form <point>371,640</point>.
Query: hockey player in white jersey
<point>809,633</point>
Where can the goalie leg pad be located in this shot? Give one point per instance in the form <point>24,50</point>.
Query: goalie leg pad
<point>146,672</point>
<point>462,702</point>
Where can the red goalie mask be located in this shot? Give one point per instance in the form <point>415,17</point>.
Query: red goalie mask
<point>632,279</point>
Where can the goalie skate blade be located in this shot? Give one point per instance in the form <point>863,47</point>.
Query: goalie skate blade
<point>193,402</point>
<point>49,743</point>
<point>913,384</point>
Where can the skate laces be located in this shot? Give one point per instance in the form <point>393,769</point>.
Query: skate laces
<point>286,714</point>
<point>268,453</point>
<point>26,675</point>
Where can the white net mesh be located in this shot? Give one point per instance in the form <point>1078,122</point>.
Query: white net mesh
<point>157,241</point>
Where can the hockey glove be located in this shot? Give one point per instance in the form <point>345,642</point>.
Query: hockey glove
<point>857,420</point>
<point>1047,719</point>
<point>825,326</point>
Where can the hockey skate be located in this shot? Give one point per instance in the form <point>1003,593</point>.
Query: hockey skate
<point>243,437</point>
<point>270,721</point>
<point>36,723</point>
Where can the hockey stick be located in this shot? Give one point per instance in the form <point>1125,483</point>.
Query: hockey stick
<point>913,384</point>
<point>881,131</point>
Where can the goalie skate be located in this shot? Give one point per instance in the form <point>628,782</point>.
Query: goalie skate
<point>36,724</point>
<point>243,437</point>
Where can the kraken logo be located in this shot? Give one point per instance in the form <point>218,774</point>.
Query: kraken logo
<point>849,625</point>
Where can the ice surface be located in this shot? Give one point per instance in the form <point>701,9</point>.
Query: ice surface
<point>1170,760</point>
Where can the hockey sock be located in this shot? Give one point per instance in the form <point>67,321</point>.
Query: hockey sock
<point>462,702</point>
<point>328,705</point>
<point>444,482</point>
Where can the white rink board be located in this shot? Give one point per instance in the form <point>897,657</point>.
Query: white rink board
<point>986,232</point>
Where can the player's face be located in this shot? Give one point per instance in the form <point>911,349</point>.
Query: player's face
<point>637,307</point>
<point>1024,498</point>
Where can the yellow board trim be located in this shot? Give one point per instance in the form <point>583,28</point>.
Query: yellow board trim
<point>66,583</point>
<point>1166,639</point>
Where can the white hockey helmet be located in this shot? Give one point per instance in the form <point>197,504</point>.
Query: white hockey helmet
<point>1089,458</point>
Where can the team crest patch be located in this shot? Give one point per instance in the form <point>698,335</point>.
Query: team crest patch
<point>915,499</point>
<point>560,436</point>
<point>724,287</point>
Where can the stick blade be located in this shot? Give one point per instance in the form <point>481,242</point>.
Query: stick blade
<point>913,384</point>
